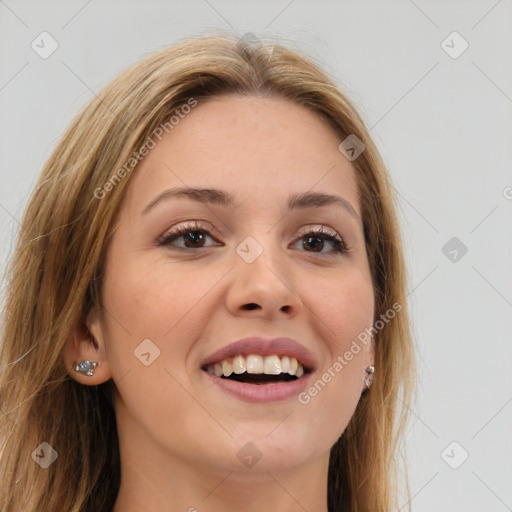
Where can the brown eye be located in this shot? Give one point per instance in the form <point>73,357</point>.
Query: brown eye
<point>316,240</point>
<point>192,239</point>
<point>191,236</point>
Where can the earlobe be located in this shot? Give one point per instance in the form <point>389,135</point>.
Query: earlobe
<point>368,380</point>
<point>84,353</point>
<point>86,367</point>
<point>370,368</point>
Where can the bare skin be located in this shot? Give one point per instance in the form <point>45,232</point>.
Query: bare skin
<point>180,434</point>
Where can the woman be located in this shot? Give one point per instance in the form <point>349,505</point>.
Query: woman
<point>207,303</point>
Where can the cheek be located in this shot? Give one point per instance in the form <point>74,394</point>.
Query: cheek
<point>345,306</point>
<point>344,309</point>
<point>152,297</point>
<point>153,300</point>
<point>149,310</point>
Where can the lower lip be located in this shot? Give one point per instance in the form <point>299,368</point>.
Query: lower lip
<point>261,393</point>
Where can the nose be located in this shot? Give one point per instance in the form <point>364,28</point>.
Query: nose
<point>263,286</point>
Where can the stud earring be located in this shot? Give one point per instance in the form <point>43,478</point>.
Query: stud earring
<point>370,370</point>
<point>86,367</point>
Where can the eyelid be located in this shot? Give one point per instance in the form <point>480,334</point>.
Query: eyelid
<point>322,229</point>
<point>326,230</point>
<point>196,225</point>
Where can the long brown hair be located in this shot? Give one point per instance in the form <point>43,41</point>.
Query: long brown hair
<point>54,279</point>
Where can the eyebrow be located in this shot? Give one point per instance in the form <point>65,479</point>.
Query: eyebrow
<point>225,199</point>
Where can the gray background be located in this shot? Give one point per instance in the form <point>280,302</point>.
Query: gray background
<point>444,128</point>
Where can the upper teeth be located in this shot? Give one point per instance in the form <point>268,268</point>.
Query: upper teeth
<point>269,365</point>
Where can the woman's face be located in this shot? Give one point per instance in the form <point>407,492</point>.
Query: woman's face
<point>246,269</point>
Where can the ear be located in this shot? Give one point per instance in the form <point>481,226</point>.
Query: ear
<point>369,360</point>
<point>86,342</point>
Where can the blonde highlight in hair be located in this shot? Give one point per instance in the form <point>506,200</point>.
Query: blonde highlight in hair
<point>55,276</point>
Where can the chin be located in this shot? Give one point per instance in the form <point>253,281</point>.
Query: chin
<point>272,449</point>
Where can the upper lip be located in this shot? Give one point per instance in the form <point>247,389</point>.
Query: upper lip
<point>264,347</point>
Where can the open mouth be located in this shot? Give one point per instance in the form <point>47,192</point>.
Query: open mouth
<point>256,369</point>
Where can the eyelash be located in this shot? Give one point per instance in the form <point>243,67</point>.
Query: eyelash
<point>323,233</point>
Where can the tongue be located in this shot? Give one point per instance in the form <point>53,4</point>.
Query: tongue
<point>261,378</point>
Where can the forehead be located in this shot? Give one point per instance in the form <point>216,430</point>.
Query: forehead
<point>254,148</point>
